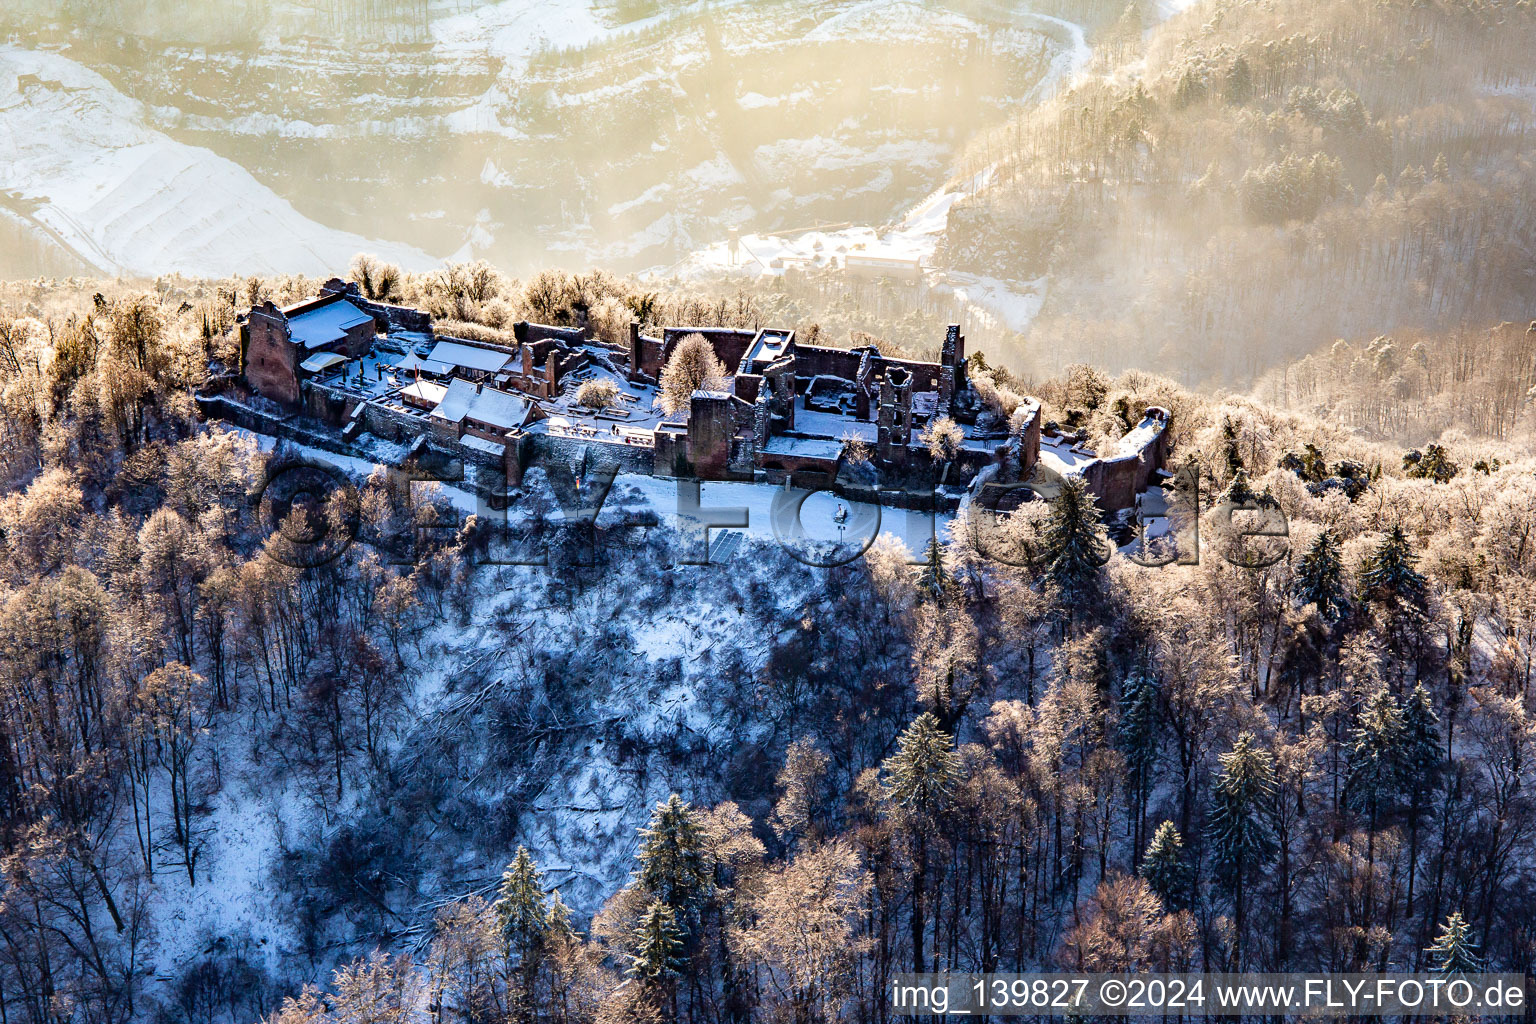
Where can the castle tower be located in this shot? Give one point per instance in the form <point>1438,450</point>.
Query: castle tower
<point>893,430</point>
<point>951,369</point>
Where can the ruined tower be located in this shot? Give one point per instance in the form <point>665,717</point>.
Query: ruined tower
<point>893,430</point>
<point>951,369</point>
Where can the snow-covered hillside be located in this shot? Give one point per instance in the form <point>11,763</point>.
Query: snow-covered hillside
<point>79,160</point>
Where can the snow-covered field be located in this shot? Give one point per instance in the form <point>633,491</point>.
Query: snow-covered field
<point>79,159</point>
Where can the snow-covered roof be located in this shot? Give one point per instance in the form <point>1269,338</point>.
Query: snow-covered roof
<point>411,361</point>
<point>470,357</point>
<point>325,325</point>
<point>322,361</point>
<point>495,408</point>
<point>426,392</point>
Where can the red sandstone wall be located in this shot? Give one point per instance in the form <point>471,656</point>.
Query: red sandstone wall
<point>729,345</point>
<point>271,361</point>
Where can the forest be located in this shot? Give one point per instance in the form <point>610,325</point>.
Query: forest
<point>414,785</point>
<point>1253,179</point>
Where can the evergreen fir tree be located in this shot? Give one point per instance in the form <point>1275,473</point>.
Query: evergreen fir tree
<point>1421,768</point>
<point>523,913</point>
<point>1421,739</point>
<point>1320,578</point>
<point>925,769</point>
<point>1376,754</point>
<point>1075,546</point>
<point>1163,866</point>
<point>1389,574</point>
<point>521,907</point>
<point>1240,833</point>
<point>557,927</point>
<point>933,577</point>
<point>1138,741</point>
<point>1431,464</point>
<point>658,952</point>
<point>1453,951</point>
<point>673,868</point>
<point>921,777</point>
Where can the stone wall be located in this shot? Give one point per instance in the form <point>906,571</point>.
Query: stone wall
<point>1029,451</point>
<point>711,426</point>
<point>333,408</point>
<point>729,343</point>
<point>645,357</point>
<point>820,361</point>
<point>1115,481</point>
<point>271,359</point>
<point>390,319</point>
<point>529,333</point>
<point>569,450</point>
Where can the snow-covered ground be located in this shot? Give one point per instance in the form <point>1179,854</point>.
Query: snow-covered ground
<point>804,521</point>
<point>916,235</point>
<point>799,520</point>
<point>79,160</point>
<point>514,30</point>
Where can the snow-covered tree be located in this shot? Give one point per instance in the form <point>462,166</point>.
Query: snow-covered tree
<point>1139,702</point>
<point>692,365</point>
<point>1241,837</point>
<point>523,915</point>
<point>1376,754</point>
<point>521,907</point>
<point>920,781</point>
<point>1421,761</point>
<point>1075,545</point>
<point>1163,866</point>
<point>1388,575</point>
<point>925,769</point>
<point>1453,951</point>
<point>1319,578</point>
<point>658,957</point>
<point>673,867</point>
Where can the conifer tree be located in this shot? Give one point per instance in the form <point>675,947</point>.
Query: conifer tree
<point>1389,576</point>
<point>925,769</point>
<point>1075,546</point>
<point>1453,951</point>
<point>921,778</point>
<point>673,867</point>
<point>1421,767</point>
<point>521,907</point>
<point>557,928</point>
<point>1138,742</point>
<point>933,577</point>
<point>523,914</point>
<point>1375,766</point>
<point>1376,754</point>
<point>1163,866</point>
<point>658,945</point>
<point>1320,578</point>
<point>658,958</point>
<point>1241,836</point>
